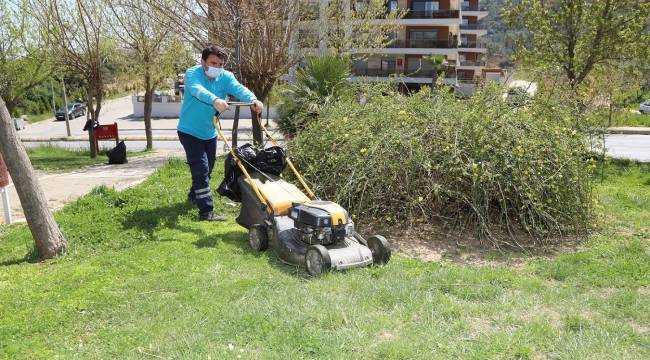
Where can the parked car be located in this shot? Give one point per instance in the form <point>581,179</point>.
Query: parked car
<point>644,108</point>
<point>19,123</point>
<point>74,111</point>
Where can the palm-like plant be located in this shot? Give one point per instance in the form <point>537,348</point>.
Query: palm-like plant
<point>438,63</point>
<point>322,81</point>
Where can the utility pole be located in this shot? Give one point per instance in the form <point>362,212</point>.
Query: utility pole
<point>65,107</point>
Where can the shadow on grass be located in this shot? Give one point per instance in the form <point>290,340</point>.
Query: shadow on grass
<point>240,240</point>
<point>30,258</point>
<point>150,220</point>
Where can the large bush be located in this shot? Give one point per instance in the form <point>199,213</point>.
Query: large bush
<point>482,162</point>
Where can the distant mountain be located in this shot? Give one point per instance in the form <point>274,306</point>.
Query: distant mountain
<point>500,38</point>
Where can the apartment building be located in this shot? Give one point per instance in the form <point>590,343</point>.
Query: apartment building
<point>451,28</point>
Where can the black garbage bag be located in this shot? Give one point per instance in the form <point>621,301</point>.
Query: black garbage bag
<point>270,161</point>
<point>117,155</point>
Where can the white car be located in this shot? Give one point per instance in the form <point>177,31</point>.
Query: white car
<point>644,108</point>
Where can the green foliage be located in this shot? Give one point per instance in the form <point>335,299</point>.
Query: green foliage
<point>322,81</point>
<point>575,36</point>
<point>480,163</point>
<point>144,279</point>
<point>24,62</point>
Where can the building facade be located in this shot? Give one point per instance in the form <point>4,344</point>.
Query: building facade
<point>449,28</point>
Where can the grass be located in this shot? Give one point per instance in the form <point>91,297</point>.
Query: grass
<point>143,279</point>
<point>53,158</point>
<point>628,118</point>
<point>39,117</point>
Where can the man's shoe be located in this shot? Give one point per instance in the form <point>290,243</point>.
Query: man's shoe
<point>210,216</point>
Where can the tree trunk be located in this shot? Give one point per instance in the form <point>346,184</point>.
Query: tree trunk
<point>45,231</point>
<point>148,99</point>
<point>91,122</point>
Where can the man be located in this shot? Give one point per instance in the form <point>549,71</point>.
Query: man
<point>206,88</point>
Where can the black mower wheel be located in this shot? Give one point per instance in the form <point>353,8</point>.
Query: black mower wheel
<point>258,239</point>
<point>379,248</point>
<point>317,260</point>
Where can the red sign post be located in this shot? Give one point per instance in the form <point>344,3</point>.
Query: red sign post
<point>106,132</point>
<point>4,174</point>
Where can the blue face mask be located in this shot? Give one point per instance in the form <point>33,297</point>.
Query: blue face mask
<point>213,72</point>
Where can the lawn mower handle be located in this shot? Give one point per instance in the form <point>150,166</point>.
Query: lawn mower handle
<point>302,181</point>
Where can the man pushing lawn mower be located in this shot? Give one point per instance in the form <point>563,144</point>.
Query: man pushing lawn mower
<point>206,87</point>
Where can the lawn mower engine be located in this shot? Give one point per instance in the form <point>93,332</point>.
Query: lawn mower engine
<point>321,222</point>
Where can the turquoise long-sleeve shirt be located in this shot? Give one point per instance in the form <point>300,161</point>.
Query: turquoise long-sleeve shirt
<point>197,109</point>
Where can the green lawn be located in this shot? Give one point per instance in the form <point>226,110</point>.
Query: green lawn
<point>53,158</point>
<point>628,118</point>
<point>143,279</point>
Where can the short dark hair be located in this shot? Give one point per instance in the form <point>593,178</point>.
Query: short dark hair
<point>213,50</point>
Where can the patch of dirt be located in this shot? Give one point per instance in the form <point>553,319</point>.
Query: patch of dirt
<point>641,329</point>
<point>436,243</point>
<point>479,326</point>
<point>386,336</point>
<point>543,312</point>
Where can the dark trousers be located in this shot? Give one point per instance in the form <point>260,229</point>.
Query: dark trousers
<point>200,157</point>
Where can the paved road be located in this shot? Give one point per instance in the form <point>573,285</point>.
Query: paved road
<point>120,111</point>
<point>635,147</point>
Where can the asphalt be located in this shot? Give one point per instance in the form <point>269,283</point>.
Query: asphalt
<point>130,129</point>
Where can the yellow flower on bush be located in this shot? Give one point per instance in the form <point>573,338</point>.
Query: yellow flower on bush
<point>402,112</point>
<point>345,119</point>
<point>364,150</point>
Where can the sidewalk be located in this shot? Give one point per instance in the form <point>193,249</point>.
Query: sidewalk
<point>63,187</point>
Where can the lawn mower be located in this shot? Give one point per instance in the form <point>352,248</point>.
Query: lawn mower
<point>302,229</point>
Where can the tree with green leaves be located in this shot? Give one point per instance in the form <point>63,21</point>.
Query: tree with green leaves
<point>24,63</point>
<point>152,48</point>
<point>79,37</point>
<point>576,36</point>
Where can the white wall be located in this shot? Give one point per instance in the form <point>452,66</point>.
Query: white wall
<point>172,110</point>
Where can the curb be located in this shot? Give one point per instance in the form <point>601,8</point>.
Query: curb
<point>628,131</point>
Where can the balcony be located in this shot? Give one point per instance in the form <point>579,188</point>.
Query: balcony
<point>422,44</point>
<point>472,44</point>
<point>472,63</point>
<point>421,73</point>
<point>473,27</point>
<point>430,14</point>
<point>374,72</point>
<point>473,8</point>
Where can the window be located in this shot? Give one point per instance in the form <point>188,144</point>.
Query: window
<point>423,39</point>
<point>426,6</point>
<point>392,5</point>
<point>388,65</point>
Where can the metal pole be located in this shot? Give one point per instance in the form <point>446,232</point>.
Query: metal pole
<point>6,205</point>
<point>65,108</point>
